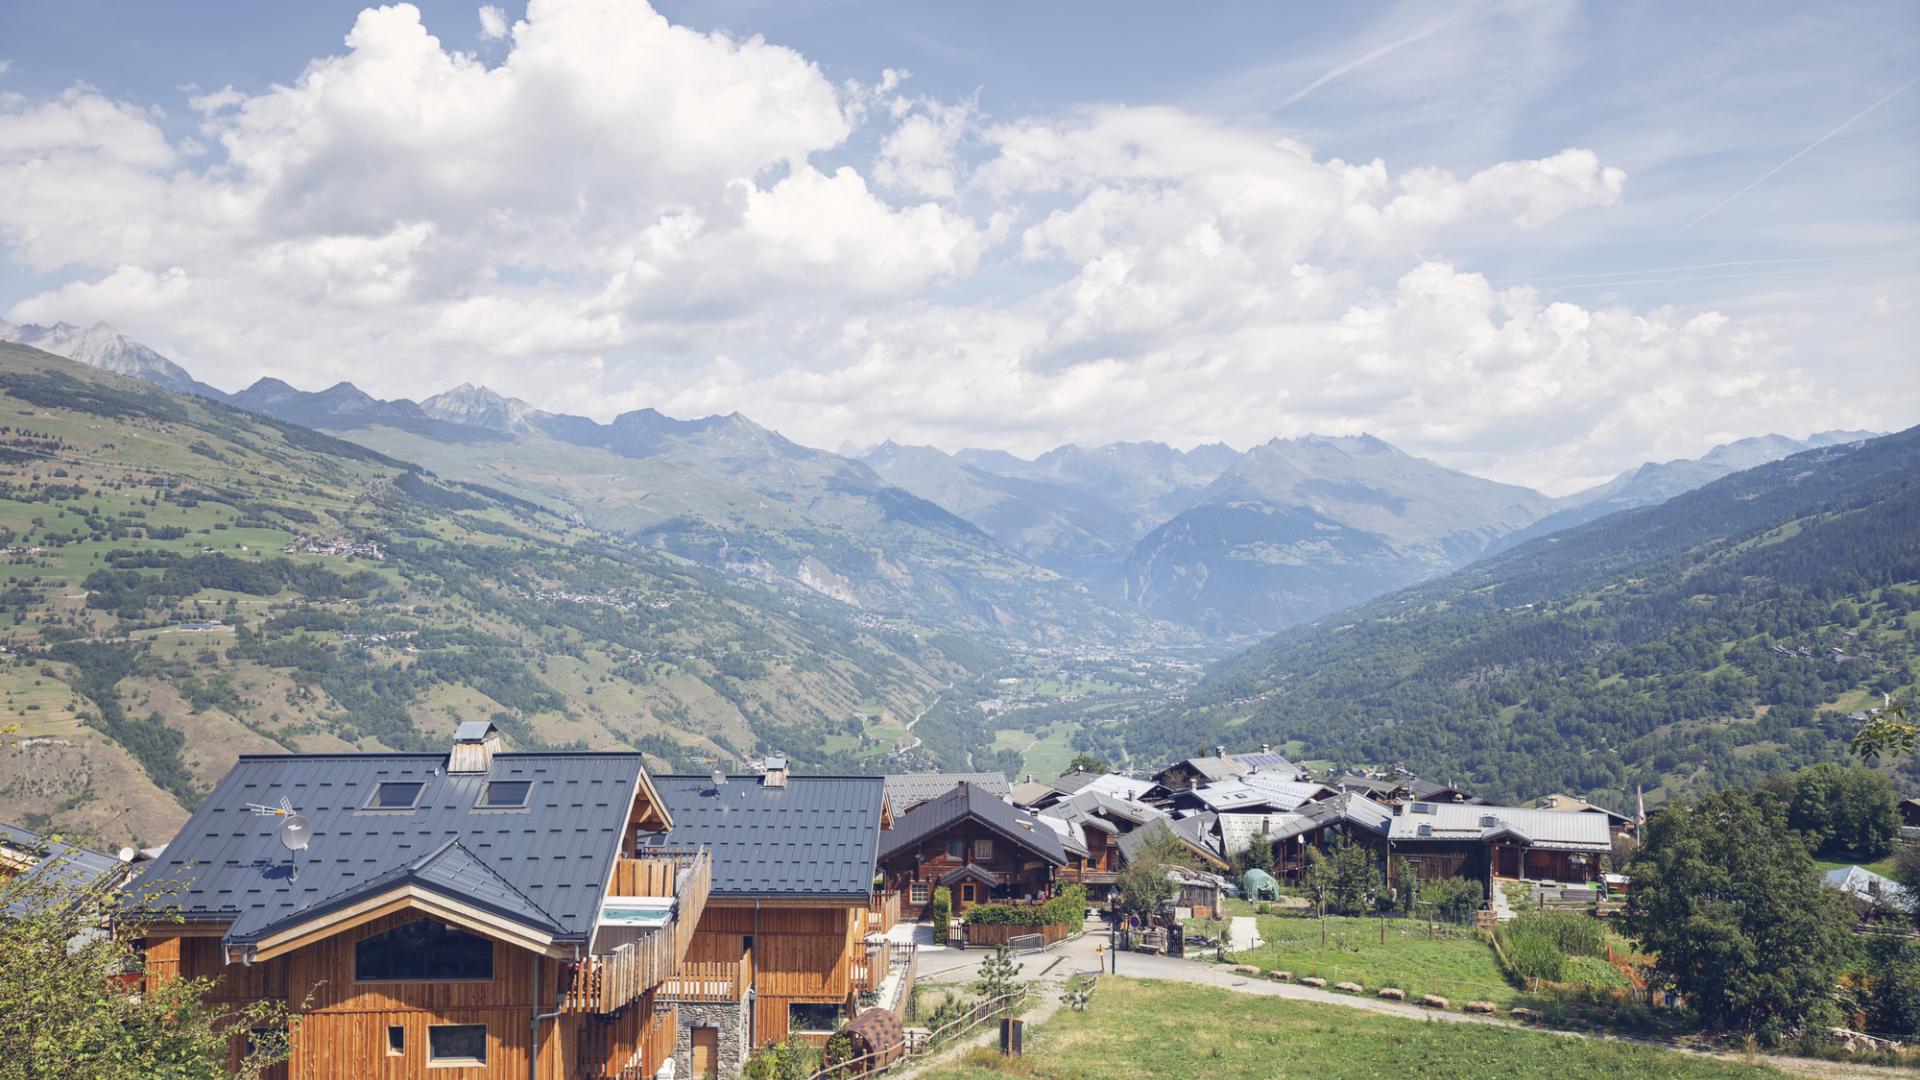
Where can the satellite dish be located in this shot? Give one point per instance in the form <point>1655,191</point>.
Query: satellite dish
<point>294,833</point>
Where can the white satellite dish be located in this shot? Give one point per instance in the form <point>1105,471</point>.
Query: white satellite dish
<point>294,833</point>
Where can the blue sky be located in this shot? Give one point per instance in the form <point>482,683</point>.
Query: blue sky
<point>1055,222</point>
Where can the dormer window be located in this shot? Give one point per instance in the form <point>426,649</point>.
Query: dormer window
<point>505,794</point>
<point>395,795</point>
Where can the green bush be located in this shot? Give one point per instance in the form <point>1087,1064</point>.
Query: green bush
<point>1068,908</point>
<point>942,914</point>
<point>1453,899</point>
<point>1536,945</point>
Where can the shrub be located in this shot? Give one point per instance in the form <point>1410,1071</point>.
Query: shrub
<point>1536,945</point>
<point>1453,899</point>
<point>942,914</point>
<point>1069,909</point>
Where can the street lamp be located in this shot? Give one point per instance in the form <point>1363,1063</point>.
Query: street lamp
<point>1113,924</point>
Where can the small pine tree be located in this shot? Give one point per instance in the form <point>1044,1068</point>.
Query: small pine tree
<point>999,975</point>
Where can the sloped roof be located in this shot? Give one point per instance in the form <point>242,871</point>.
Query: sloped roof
<point>56,867</point>
<point>908,790</point>
<point>1134,843</point>
<point>1550,829</point>
<point>1071,840</point>
<point>1567,804</point>
<point>815,836</point>
<point>1420,789</point>
<point>969,870</point>
<point>1867,885</point>
<point>1349,807</point>
<point>1213,768</point>
<point>1267,761</point>
<point>449,869</point>
<point>1238,831</point>
<point>1254,792</point>
<point>1028,792</point>
<point>1017,825</point>
<point>555,854</point>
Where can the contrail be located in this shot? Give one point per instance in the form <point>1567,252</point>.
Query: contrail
<point>1370,57</point>
<point>1803,152</point>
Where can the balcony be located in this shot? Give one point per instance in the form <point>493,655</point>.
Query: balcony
<point>646,924</point>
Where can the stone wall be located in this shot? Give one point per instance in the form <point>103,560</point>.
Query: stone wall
<point>730,1018</point>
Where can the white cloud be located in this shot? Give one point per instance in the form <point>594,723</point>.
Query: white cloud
<point>621,212</point>
<point>493,22</point>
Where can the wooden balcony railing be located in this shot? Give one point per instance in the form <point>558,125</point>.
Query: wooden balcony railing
<point>606,982</point>
<point>706,981</point>
<point>871,965</point>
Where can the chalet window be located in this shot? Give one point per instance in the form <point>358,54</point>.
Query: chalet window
<point>917,892</point>
<point>395,795</point>
<point>424,950</point>
<point>814,1017</point>
<point>457,1044</point>
<point>396,1040</point>
<point>982,850</point>
<point>966,891</point>
<point>505,794</point>
<point>956,848</point>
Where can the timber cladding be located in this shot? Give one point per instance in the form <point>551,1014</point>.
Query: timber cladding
<point>344,1032</point>
<point>801,953</point>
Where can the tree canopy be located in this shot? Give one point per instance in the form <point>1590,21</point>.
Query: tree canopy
<point>1730,901</point>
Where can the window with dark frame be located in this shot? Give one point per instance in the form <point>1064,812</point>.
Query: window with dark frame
<point>505,794</point>
<point>966,891</point>
<point>424,950</point>
<point>396,1040</point>
<point>814,1017</point>
<point>457,1044</point>
<point>395,795</point>
<point>956,847</point>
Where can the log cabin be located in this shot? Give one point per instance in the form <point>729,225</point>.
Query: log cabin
<point>980,847</point>
<point>476,914</point>
<point>782,946</point>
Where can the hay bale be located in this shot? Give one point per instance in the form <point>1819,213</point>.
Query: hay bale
<point>1478,1006</point>
<point>1246,969</point>
<point>1519,1013</point>
<point>1280,976</point>
<point>1348,987</point>
<point>1313,981</point>
<point>1435,1001</point>
<point>1393,994</point>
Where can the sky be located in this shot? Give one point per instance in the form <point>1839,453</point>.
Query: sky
<point>1538,241</point>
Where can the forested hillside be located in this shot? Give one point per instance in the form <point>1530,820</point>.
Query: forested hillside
<point>1704,642</point>
<point>187,582</point>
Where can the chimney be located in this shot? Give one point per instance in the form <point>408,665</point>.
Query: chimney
<point>474,744</point>
<point>1266,748</point>
<point>776,771</point>
<point>1219,751</point>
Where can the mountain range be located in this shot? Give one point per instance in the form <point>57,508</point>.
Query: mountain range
<point>1727,633</point>
<point>1128,542</point>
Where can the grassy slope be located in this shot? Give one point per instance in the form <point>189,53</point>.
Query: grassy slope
<point>96,471</point>
<point>1135,1029</point>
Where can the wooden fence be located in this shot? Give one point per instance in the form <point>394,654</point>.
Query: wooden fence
<point>888,1058</point>
<point>883,911</point>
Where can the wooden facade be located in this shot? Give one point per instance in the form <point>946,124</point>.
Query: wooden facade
<point>788,952</point>
<point>346,1026</point>
<point>1006,870</point>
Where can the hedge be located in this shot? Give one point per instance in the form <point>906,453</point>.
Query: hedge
<point>1068,909</point>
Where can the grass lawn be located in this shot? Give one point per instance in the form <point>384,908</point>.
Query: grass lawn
<point>1879,866</point>
<point>1144,1028</point>
<point>1456,965</point>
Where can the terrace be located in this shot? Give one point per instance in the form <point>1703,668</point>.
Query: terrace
<point>646,924</point>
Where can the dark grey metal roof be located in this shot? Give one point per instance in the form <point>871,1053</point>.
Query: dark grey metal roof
<point>551,858</point>
<point>57,867</point>
<point>908,790</point>
<point>472,730</point>
<point>966,800</point>
<point>814,836</point>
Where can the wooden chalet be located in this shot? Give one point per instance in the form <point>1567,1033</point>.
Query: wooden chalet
<point>783,944</point>
<point>1217,766</point>
<point>1400,789</point>
<point>1098,821</point>
<point>978,846</point>
<point>489,913</point>
<point>1481,842</point>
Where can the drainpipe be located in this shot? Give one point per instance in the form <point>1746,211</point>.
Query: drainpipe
<point>533,1059</point>
<point>753,992</point>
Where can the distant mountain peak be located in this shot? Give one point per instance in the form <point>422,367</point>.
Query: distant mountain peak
<point>101,346</point>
